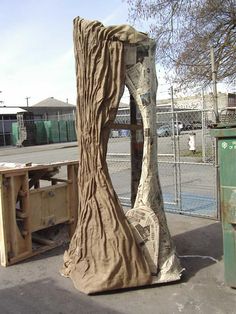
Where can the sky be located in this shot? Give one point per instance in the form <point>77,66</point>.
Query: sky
<point>36,47</point>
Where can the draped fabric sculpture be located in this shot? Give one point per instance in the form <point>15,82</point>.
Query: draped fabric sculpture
<point>109,250</point>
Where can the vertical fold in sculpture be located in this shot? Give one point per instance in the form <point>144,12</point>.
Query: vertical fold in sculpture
<point>103,254</point>
<point>147,218</point>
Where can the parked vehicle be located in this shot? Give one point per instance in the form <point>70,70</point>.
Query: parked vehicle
<point>166,130</point>
<point>188,126</point>
<point>197,125</point>
<point>194,125</point>
<point>179,125</point>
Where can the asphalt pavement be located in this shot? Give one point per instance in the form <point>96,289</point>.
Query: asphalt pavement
<point>35,285</point>
<point>196,185</point>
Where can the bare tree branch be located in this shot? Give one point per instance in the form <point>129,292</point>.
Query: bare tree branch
<point>185,30</point>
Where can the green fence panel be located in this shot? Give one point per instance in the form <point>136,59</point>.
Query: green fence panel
<point>52,131</point>
<point>15,133</point>
<point>71,131</point>
<point>41,134</point>
<point>62,130</point>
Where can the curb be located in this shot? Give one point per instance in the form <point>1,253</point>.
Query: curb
<point>6,151</point>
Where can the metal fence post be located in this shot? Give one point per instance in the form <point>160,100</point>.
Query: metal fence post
<point>178,165</point>
<point>174,146</point>
<point>3,131</point>
<point>203,128</point>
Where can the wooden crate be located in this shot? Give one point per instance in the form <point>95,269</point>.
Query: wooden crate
<point>38,208</point>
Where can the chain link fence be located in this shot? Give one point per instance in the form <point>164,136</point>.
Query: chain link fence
<point>188,176</point>
<point>118,157</point>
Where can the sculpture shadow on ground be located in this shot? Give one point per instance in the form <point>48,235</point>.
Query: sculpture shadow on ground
<point>44,296</point>
<point>199,248</point>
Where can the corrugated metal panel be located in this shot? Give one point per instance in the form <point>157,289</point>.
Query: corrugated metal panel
<point>10,110</point>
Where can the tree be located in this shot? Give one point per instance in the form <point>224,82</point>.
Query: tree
<point>185,31</point>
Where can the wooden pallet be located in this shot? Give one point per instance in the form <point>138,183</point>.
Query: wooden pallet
<point>38,208</point>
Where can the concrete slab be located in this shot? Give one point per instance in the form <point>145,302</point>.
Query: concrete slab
<point>35,286</point>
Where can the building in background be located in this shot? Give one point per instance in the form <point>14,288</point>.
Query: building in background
<point>48,121</point>
<point>60,116</point>
<point>51,109</point>
<point>197,102</point>
<point>8,115</point>
<point>190,108</point>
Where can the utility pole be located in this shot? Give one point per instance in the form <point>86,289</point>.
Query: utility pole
<point>27,101</point>
<point>214,84</point>
<point>1,101</point>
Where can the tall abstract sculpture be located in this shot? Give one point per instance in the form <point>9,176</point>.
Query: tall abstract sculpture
<point>147,217</point>
<point>109,250</point>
